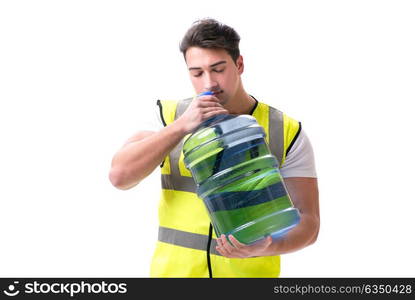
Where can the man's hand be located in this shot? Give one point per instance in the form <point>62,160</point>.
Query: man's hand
<point>199,110</point>
<point>239,250</point>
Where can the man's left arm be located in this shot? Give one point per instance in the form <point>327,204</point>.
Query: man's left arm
<point>304,195</point>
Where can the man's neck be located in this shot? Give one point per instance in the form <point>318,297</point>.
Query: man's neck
<point>242,103</point>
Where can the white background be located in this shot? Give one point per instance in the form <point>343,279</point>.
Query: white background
<point>77,78</point>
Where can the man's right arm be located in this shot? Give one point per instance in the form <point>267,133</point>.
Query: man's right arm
<point>143,152</point>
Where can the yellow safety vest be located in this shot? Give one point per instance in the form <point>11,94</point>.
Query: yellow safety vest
<point>186,242</point>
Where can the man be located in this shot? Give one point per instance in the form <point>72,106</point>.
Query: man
<point>187,245</point>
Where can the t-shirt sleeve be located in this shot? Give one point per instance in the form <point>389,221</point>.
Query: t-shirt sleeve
<point>299,161</point>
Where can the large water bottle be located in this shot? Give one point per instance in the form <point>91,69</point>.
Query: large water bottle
<point>238,179</point>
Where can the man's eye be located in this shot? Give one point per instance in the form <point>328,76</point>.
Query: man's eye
<point>218,71</point>
<point>197,74</point>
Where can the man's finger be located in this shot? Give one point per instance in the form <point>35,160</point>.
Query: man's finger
<point>209,104</point>
<point>235,242</point>
<point>220,251</point>
<point>221,248</point>
<point>266,242</point>
<point>207,98</point>
<point>226,244</point>
<point>206,110</point>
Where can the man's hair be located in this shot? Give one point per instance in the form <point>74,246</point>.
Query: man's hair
<point>209,33</point>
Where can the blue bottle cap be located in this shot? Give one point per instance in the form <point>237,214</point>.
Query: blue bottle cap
<point>206,93</point>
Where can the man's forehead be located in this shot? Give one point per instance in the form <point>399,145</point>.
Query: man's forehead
<point>203,58</point>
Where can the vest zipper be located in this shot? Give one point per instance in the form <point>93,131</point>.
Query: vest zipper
<point>208,250</point>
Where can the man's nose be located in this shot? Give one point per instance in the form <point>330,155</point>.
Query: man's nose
<point>210,84</point>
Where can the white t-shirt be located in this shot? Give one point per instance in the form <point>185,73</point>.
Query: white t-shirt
<point>299,161</point>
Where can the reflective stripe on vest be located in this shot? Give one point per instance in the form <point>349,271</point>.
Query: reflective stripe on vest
<point>186,239</point>
<point>184,224</point>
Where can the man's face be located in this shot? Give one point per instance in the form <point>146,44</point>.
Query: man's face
<point>214,70</point>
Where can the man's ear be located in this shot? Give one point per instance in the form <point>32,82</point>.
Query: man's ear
<point>240,64</point>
